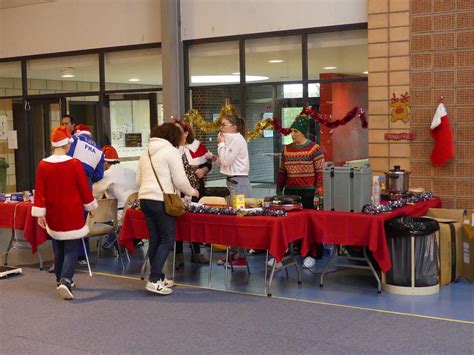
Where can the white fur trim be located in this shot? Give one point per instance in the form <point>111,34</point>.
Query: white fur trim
<point>78,133</point>
<point>193,146</point>
<point>68,235</point>
<point>440,113</point>
<point>111,159</point>
<point>61,143</point>
<point>91,206</point>
<point>38,211</point>
<point>57,158</point>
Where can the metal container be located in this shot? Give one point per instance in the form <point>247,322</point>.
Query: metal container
<point>397,180</point>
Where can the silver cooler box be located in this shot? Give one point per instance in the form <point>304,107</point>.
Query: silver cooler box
<point>346,188</point>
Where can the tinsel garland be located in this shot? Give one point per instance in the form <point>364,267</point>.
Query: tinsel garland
<point>229,211</point>
<point>372,209</point>
<point>193,116</point>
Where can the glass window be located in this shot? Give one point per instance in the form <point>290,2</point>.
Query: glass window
<point>64,74</point>
<point>214,64</point>
<point>136,69</point>
<point>209,102</point>
<point>337,55</point>
<point>10,79</point>
<point>273,59</point>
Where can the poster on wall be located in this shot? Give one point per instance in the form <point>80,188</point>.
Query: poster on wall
<point>3,127</point>
<point>133,139</point>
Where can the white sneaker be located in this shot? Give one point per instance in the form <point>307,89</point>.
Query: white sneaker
<point>309,262</point>
<point>168,283</point>
<point>158,287</point>
<point>272,261</point>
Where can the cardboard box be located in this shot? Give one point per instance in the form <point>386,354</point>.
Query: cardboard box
<point>450,239</point>
<point>468,253</point>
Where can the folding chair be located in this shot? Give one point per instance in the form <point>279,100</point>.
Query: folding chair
<point>103,223</point>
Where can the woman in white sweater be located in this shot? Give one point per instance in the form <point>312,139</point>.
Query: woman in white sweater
<point>233,155</point>
<point>168,165</point>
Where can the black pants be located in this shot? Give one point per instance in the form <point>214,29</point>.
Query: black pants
<point>307,197</point>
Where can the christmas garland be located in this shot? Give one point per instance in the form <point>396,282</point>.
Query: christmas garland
<point>195,118</point>
<point>229,211</point>
<point>372,209</point>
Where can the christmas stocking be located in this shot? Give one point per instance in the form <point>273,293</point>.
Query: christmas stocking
<point>442,133</point>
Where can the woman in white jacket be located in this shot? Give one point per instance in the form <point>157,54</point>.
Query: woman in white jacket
<point>168,165</point>
<point>233,155</point>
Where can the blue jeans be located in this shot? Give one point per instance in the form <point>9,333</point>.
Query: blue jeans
<point>65,258</point>
<point>239,185</point>
<point>162,236</point>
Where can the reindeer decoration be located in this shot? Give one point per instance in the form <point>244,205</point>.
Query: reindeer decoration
<point>400,107</point>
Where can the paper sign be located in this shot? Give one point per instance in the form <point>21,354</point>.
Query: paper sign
<point>12,140</point>
<point>466,257</point>
<point>3,126</point>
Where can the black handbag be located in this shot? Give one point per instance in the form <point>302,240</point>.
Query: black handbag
<point>174,206</point>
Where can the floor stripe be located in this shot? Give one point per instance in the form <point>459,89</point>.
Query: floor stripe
<point>305,301</point>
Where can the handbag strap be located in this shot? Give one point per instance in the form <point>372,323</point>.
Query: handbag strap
<point>154,172</point>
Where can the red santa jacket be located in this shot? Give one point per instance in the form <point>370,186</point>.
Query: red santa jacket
<point>61,195</point>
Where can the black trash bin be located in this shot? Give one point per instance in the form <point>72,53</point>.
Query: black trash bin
<point>402,234</point>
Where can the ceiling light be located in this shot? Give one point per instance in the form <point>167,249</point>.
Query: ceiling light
<point>365,72</point>
<point>276,61</point>
<point>236,73</point>
<point>67,72</point>
<point>133,80</point>
<point>329,68</point>
<point>215,79</point>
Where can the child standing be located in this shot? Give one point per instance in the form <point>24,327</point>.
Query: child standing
<point>63,215</point>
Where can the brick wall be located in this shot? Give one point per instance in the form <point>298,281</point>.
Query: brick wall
<point>442,63</point>
<point>425,47</point>
<point>388,51</point>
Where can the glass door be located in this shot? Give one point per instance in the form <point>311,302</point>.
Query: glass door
<point>33,123</point>
<point>131,119</point>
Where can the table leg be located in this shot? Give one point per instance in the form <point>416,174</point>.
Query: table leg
<point>9,248</point>
<point>266,273</point>
<point>142,269</point>
<point>331,257</point>
<point>209,273</point>
<point>40,259</point>
<point>174,260</point>
<point>269,291</point>
<point>87,257</point>
<point>226,265</point>
<point>379,285</point>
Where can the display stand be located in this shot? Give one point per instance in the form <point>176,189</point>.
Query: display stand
<point>364,259</point>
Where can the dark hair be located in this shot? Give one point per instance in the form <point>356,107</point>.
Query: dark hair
<point>70,118</point>
<point>168,131</point>
<point>238,122</point>
<point>186,128</point>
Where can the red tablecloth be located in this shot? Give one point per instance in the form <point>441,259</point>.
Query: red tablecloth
<point>18,216</point>
<point>360,229</point>
<point>273,233</point>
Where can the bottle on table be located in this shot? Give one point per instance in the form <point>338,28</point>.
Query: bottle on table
<point>376,191</point>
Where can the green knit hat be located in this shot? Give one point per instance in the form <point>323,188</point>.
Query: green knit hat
<point>301,124</point>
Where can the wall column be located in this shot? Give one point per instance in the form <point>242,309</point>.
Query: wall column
<point>172,60</point>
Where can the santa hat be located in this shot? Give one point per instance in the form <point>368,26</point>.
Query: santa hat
<point>82,129</point>
<point>60,136</point>
<point>110,154</point>
<point>443,149</point>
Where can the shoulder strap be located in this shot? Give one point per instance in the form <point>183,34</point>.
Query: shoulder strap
<point>154,172</point>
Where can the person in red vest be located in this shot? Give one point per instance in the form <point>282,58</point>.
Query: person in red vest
<point>63,215</point>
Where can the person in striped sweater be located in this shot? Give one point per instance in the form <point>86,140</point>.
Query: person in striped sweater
<point>301,168</point>
<point>301,171</point>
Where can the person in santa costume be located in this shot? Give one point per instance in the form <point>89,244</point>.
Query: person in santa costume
<point>90,154</point>
<point>118,182</point>
<point>63,215</point>
<point>196,165</point>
